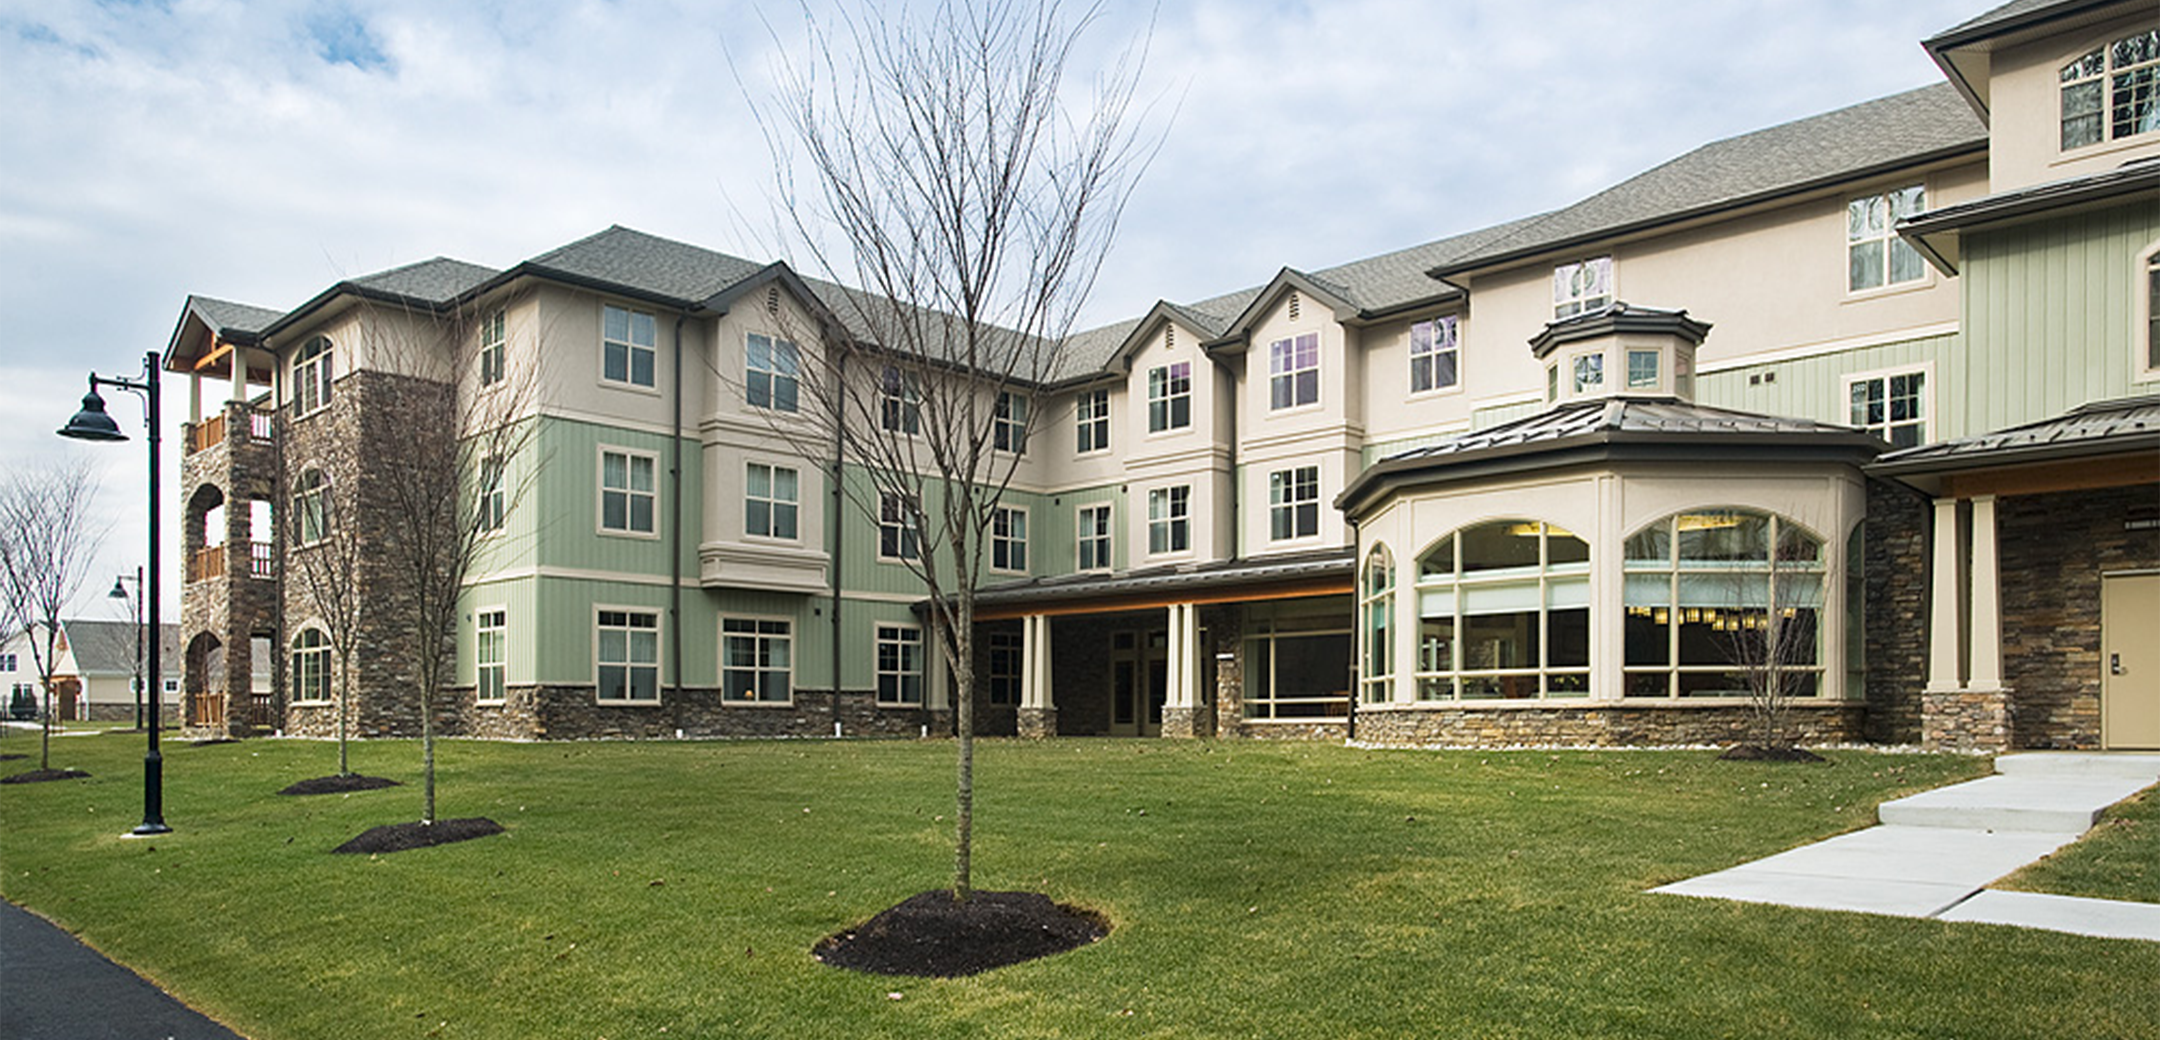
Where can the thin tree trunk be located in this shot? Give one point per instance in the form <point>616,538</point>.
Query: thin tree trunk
<point>964,788</point>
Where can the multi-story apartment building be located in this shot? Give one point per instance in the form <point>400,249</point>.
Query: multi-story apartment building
<point>1884,379</point>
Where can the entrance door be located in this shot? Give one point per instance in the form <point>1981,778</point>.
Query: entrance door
<point>1139,683</point>
<point>2130,662</point>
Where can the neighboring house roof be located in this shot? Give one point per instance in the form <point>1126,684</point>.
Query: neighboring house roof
<point>108,647</point>
<point>1598,429</point>
<point>1937,233</point>
<point>2129,425</point>
<point>1217,581</point>
<point>1901,130</point>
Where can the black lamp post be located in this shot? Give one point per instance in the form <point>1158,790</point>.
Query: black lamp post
<point>92,424</point>
<point>134,602</point>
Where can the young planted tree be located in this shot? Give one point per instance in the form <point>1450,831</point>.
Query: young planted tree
<point>938,161</point>
<point>47,540</point>
<point>1771,641</point>
<point>325,565</point>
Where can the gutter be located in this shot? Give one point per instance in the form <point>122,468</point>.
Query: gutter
<point>837,539</point>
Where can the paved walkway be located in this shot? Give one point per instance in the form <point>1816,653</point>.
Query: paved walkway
<point>1936,852</point>
<point>55,988</point>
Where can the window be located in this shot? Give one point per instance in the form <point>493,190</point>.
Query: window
<point>1874,254</point>
<point>1589,374</point>
<point>1893,407</point>
<point>1093,524</point>
<point>1092,417</point>
<point>1433,354</point>
<point>494,344</point>
<point>769,501</point>
<point>311,507</point>
<point>488,655</point>
<point>898,532</point>
<point>1008,539</point>
<point>311,377</point>
<point>628,656</point>
<point>1642,369</point>
<point>2112,92</point>
<point>626,346</point>
<point>1294,371</point>
<point>1582,288</point>
<point>1010,422</point>
<point>1299,668</point>
<point>1169,519</point>
<point>7,662</point>
<point>1294,503</point>
<point>626,492</point>
<point>1378,675</point>
<point>756,660</point>
<point>1503,613</point>
<point>1552,383</point>
<point>493,506</point>
<point>2151,296</point>
<point>772,374</point>
<point>1007,655</point>
<point>899,402</point>
<point>1169,397</point>
<point>311,665</point>
<point>899,664</point>
<point>1720,602</point>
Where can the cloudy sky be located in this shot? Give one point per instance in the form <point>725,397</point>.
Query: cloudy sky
<point>261,150</point>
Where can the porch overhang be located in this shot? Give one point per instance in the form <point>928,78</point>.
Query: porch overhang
<point>2099,445</point>
<point>1331,572</point>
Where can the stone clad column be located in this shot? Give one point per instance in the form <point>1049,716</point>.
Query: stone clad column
<point>1965,706</point>
<point>1037,716</point>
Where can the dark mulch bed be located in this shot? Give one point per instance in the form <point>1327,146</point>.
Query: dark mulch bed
<point>39,776</point>
<point>13,758</point>
<point>342,783</point>
<point>929,934</point>
<point>1759,753</point>
<point>398,837</point>
<point>213,741</point>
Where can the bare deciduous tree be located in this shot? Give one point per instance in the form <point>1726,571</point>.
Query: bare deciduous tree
<point>1772,646</point>
<point>326,561</point>
<point>946,172</point>
<point>47,541</point>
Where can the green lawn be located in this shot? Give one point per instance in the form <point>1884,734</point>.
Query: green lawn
<point>1256,890</point>
<point>2119,859</point>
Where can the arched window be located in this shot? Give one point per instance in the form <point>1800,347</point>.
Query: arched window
<point>1504,613</point>
<point>311,376</point>
<point>1378,677</point>
<point>1724,603</point>
<point>311,507</point>
<point>311,666</point>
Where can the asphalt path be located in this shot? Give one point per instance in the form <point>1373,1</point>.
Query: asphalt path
<point>52,987</point>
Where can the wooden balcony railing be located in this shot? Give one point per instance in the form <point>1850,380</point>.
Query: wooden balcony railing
<point>204,564</point>
<point>211,431</point>
<point>260,562</point>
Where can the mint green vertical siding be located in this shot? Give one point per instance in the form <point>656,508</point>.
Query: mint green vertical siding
<point>565,501</point>
<point>1488,417</point>
<point>1058,540</point>
<point>1814,387</point>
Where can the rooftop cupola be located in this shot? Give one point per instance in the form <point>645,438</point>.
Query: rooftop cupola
<point>1620,350</point>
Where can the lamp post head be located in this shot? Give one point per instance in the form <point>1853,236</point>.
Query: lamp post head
<point>92,424</point>
<point>119,590</point>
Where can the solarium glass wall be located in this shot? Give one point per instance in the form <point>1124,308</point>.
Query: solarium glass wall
<point>1503,613</point>
<point>1723,603</point>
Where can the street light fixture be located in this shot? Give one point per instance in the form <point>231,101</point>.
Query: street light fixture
<point>92,424</point>
<point>135,607</point>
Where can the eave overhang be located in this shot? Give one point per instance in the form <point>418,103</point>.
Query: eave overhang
<point>1330,572</point>
<point>1938,234</point>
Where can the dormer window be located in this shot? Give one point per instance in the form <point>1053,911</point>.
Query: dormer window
<point>1582,287</point>
<point>2112,92</point>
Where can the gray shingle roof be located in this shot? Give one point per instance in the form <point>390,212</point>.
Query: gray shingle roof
<point>108,647</point>
<point>435,282</point>
<point>645,264</point>
<point>1883,134</point>
<point>2008,15</point>
<point>225,316</point>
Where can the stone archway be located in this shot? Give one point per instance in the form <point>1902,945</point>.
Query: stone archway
<point>203,687</point>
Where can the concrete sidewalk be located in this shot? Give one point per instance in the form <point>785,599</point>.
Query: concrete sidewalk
<point>1936,852</point>
<point>52,987</point>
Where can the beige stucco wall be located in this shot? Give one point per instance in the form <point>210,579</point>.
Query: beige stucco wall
<point>2025,110</point>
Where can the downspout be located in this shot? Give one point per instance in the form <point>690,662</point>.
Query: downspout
<point>835,539</point>
<point>675,536</point>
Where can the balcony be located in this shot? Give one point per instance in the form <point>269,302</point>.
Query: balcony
<point>206,563</point>
<point>212,431</point>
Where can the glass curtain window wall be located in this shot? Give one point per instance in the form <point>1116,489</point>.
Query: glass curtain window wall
<point>1294,503</point>
<point>1503,613</point>
<point>1723,603</point>
<point>1093,525</point>
<point>1170,519</point>
<point>756,660</point>
<point>770,497</point>
<point>627,346</point>
<point>628,656</point>
<point>1580,288</point>
<point>627,495</point>
<point>772,374</point>
<point>899,664</point>
<point>489,645</point>
<point>1874,254</point>
<point>1091,416</point>
<point>494,348</point>
<point>2112,92</point>
<point>1434,354</point>
<point>311,376</point>
<point>1294,371</point>
<point>1169,395</point>
<point>311,665</point>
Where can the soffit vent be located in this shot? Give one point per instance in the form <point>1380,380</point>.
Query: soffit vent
<point>1293,304</point>
<point>772,299</point>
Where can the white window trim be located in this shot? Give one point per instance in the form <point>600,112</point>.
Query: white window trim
<point>721,669</point>
<point>1319,498</point>
<point>1148,380</point>
<point>500,494</point>
<point>600,490</point>
<point>774,539</point>
<point>1572,377</point>
<point>1107,421</point>
<point>1888,288</point>
<point>1149,516</point>
<point>1410,346</point>
<point>906,521</point>
<point>315,365</point>
<point>1318,369</point>
<point>321,494</point>
<point>1081,536</point>
<point>600,356</point>
<point>1013,431</point>
<point>1926,370</point>
<point>1023,541</point>
<point>504,609</point>
<point>776,341</point>
<point>659,655</point>
<point>877,665</point>
<point>909,400</point>
<point>2141,316</point>
<point>2108,142</point>
<point>1612,286</point>
<point>496,322</point>
<point>329,653</point>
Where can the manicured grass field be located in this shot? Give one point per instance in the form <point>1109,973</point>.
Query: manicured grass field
<point>2119,859</point>
<point>1257,890</point>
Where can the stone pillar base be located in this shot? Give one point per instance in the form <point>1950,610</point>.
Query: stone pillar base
<point>941,722</point>
<point>1970,719</point>
<point>1036,723</point>
<point>1180,722</point>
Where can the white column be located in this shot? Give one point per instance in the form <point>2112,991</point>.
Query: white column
<point>1035,661</point>
<point>1986,598</point>
<point>1943,657</point>
<point>939,697</point>
<point>1184,661</point>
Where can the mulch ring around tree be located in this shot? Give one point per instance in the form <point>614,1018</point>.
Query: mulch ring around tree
<point>399,837</point>
<point>12,758</point>
<point>1759,753</point>
<point>931,935</point>
<point>39,776</point>
<point>343,783</point>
